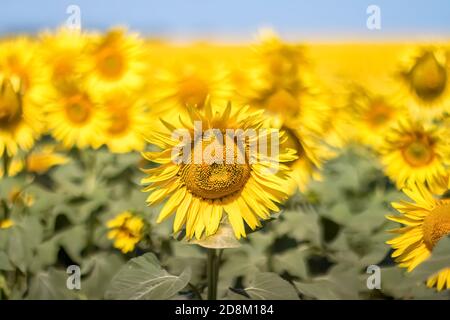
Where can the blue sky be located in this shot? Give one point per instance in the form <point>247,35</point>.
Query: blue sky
<point>236,19</point>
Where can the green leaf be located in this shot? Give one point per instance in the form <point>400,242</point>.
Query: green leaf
<point>5,264</point>
<point>270,286</point>
<point>50,285</point>
<point>97,271</point>
<point>143,278</point>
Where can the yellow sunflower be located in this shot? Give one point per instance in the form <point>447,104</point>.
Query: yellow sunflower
<point>6,223</point>
<point>284,88</point>
<point>424,74</point>
<point>114,61</point>
<point>127,230</point>
<point>221,186</point>
<point>39,161</point>
<point>426,220</point>
<point>127,120</point>
<point>413,152</point>
<point>61,54</point>
<point>75,117</point>
<point>20,91</point>
<point>189,82</point>
<point>374,114</point>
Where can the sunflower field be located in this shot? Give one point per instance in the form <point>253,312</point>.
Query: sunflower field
<point>93,205</point>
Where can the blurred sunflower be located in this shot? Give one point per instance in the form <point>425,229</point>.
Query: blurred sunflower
<point>75,117</point>
<point>20,91</point>
<point>39,161</point>
<point>61,54</point>
<point>200,193</point>
<point>424,74</point>
<point>127,120</point>
<point>114,61</point>
<point>189,82</point>
<point>6,223</point>
<point>283,87</point>
<point>426,220</point>
<point>373,115</point>
<point>413,152</point>
<point>126,229</point>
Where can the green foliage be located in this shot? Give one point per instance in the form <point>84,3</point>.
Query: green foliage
<point>318,247</point>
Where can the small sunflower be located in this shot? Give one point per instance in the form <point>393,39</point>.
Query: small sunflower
<point>126,229</point>
<point>75,117</point>
<point>6,223</point>
<point>413,152</point>
<point>202,194</point>
<point>127,120</point>
<point>41,159</point>
<point>115,61</point>
<point>424,74</point>
<point>61,54</point>
<point>426,220</point>
<point>375,114</point>
<point>20,91</point>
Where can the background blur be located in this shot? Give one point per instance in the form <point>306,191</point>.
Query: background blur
<point>236,20</point>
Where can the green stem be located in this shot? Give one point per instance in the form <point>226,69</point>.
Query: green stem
<point>212,271</point>
<point>6,160</point>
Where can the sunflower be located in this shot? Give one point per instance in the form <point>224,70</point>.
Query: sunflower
<point>426,220</point>
<point>374,113</point>
<point>413,152</point>
<point>20,90</point>
<point>128,118</point>
<point>6,223</point>
<point>61,54</point>
<point>283,87</point>
<point>126,229</point>
<point>229,187</point>
<point>39,161</point>
<point>114,61</point>
<point>189,82</point>
<point>424,74</point>
<point>75,117</point>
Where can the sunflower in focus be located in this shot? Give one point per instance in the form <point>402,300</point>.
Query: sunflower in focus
<point>128,119</point>
<point>75,117</point>
<point>127,230</point>
<point>61,54</point>
<point>20,92</point>
<point>426,221</point>
<point>114,61</point>
<point>415,153</point>
<point>424,74</point>
<point>221,187</point>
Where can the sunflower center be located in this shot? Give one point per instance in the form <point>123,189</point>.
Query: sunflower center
<point>418,153</point>
<point>78,109</point>
<point>111,63</point>
<point>10,106</point>
<point>428,77</point>
<point>379,113</point>
<point>193,91</point>
<point>216,180</point>
<point>437,224</point>
<point>119,122</point>
<point>282,101</point>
